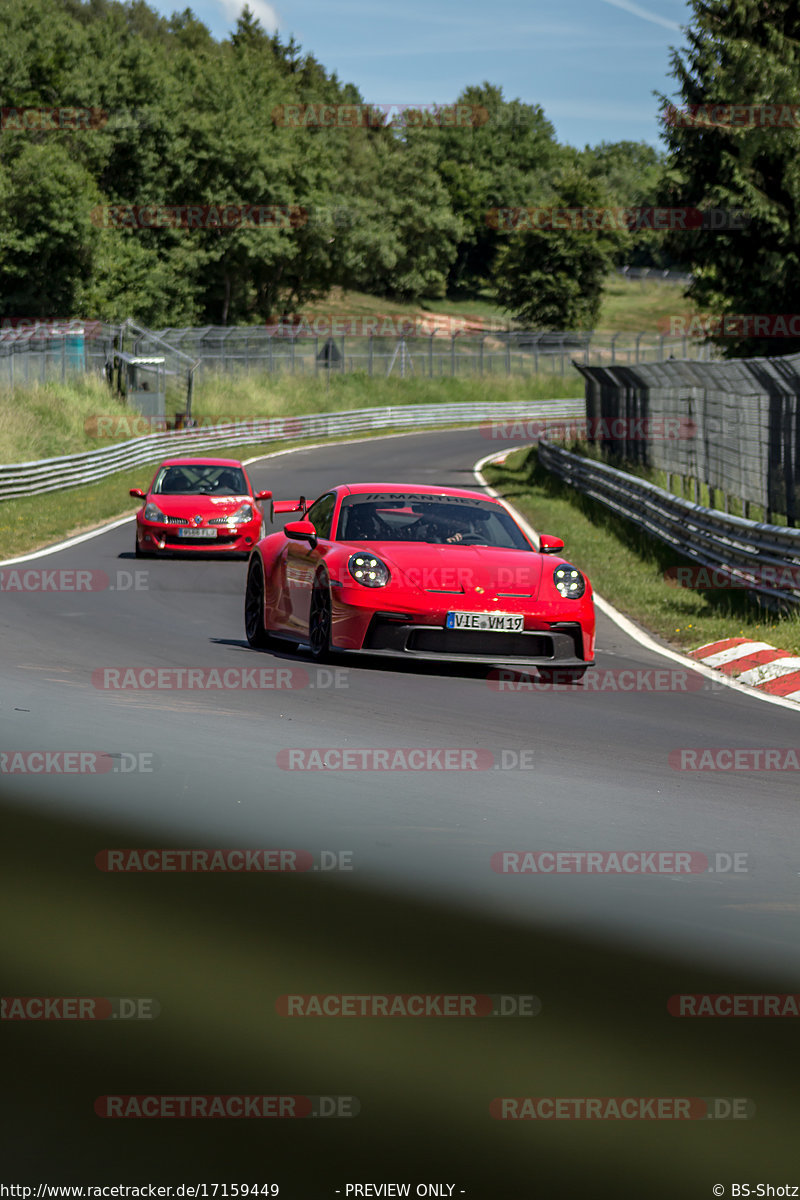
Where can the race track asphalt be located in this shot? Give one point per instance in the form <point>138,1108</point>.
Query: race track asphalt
<point>596,775</point>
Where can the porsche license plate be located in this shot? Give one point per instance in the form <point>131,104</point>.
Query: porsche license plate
<point>493,622</point>
<point>189,532</point>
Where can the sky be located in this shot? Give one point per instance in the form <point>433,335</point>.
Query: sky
<point>592,65</point>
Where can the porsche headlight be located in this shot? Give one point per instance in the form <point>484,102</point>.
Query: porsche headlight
<point>153,513</point>
<point>242,515</point>
<point>569,581</point>
<point>367,569</point>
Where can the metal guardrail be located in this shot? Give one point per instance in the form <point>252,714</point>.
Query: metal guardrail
<point>737,548</point>
<point>71,470</point>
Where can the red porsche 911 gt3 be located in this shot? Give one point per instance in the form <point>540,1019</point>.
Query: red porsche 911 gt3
<point>199,504</point>
<point>419,572</point>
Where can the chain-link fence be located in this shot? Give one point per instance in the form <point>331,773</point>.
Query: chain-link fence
<point>732,426</point>
<point>41,352</point>
<point>289,349</point>
<point>53,352</point>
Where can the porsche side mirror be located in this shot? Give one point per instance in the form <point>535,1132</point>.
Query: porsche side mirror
<point>138,493</point>
<point>301,531</point>
<point>549,544</point>
<point>263,495</point>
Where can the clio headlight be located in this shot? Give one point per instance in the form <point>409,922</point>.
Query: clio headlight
<point>242,515</point>
<point>153,513</point>
<point>369,570</point>
<point>569,581</point>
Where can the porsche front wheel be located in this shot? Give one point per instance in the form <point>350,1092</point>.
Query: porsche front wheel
<point>254,629</point>
<point>319,621</point>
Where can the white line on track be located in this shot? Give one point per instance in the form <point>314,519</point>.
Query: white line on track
<point>75,541</point>
<point>627,626</point>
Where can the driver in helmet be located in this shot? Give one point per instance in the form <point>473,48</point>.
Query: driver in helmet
<point>446,524</point>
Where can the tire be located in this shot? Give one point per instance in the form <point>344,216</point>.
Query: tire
<point>558,675</point>
<point>319,621</point>
<point>254,629</point>
<point>138,550</point>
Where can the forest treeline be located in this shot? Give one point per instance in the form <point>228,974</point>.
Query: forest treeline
<point>112,113</point>
<point>144,115</point>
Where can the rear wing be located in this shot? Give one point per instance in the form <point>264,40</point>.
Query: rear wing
<point>287,506</point>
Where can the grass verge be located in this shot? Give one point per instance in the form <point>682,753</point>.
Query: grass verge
<point>627,305</point>
<point>33,522</point>
<point>641,306</point>
<point>45,421</point>
<point>627,567</point>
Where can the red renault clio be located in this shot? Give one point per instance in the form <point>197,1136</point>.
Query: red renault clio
<point>199,504</point>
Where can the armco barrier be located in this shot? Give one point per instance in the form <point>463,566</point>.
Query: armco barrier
<point>71,470</point>
<point>740,549</point>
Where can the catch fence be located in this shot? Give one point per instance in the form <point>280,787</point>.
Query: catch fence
<point>739,423</point>
<point>53,352</point>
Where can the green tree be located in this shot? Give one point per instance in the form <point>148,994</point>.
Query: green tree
<point>507,160</point>
<point>632,175</point>
<point>47,239</point>
<point>553,278</point>
<point>744,53</point>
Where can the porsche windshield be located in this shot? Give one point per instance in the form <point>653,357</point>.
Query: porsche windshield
<point>442,520</point>
<point>200,480</point>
